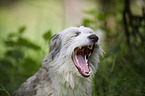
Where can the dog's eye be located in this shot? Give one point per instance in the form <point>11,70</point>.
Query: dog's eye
<point>77,33</point>
<point>90,32</point>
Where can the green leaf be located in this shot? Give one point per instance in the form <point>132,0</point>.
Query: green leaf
<point>16,54</point>
<point>26,43</point>
<point>47,35</point>
<point>86,22</point>
<point>22,29</point>
<point>10,35</point>
<point>10,43</point>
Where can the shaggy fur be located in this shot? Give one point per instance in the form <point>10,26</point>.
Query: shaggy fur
<point>58,75</point>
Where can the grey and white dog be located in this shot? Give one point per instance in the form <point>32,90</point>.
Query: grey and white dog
<point>69,67</point>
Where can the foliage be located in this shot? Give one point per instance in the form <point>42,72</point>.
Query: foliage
<point>121,71</point>
<point>47,35</point>
<point>17,64</point>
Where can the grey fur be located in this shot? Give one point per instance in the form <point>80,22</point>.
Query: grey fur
<point>58,75</point>
<point>55,45</point>
<point>28,88</point>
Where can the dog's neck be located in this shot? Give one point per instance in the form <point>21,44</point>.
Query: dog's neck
<point>67,82</point>
<point>74,86</point>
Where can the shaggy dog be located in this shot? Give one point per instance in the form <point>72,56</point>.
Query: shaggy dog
<point>69,67</point>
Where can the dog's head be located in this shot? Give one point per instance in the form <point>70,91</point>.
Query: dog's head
<point>79,45</point>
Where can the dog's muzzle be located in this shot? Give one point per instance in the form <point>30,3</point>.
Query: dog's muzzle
<point>82,54</point>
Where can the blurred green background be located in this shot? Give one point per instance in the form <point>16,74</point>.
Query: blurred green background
<point>27,25</point>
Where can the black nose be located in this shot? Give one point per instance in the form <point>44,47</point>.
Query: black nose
<point>93,38</point>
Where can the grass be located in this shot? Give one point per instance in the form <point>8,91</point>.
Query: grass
<point>3,89</point>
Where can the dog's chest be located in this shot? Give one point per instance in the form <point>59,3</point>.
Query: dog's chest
<point>81,88</point>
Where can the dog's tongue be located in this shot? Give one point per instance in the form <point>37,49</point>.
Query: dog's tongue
<point>82,62</point>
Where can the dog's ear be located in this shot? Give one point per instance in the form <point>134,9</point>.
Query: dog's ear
<point>55,45</point>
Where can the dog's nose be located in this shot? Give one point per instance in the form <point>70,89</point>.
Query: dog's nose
<point>93,38</point>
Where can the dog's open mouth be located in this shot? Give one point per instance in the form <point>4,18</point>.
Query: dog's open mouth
<point>81,57</point>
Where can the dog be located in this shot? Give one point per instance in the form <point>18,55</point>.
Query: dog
<point>69,67</point>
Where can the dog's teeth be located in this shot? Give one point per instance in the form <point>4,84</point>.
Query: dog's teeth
<point>87,62</point>
<point>90,46</point>
<point>80,47</point>
<point>90,72</point>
